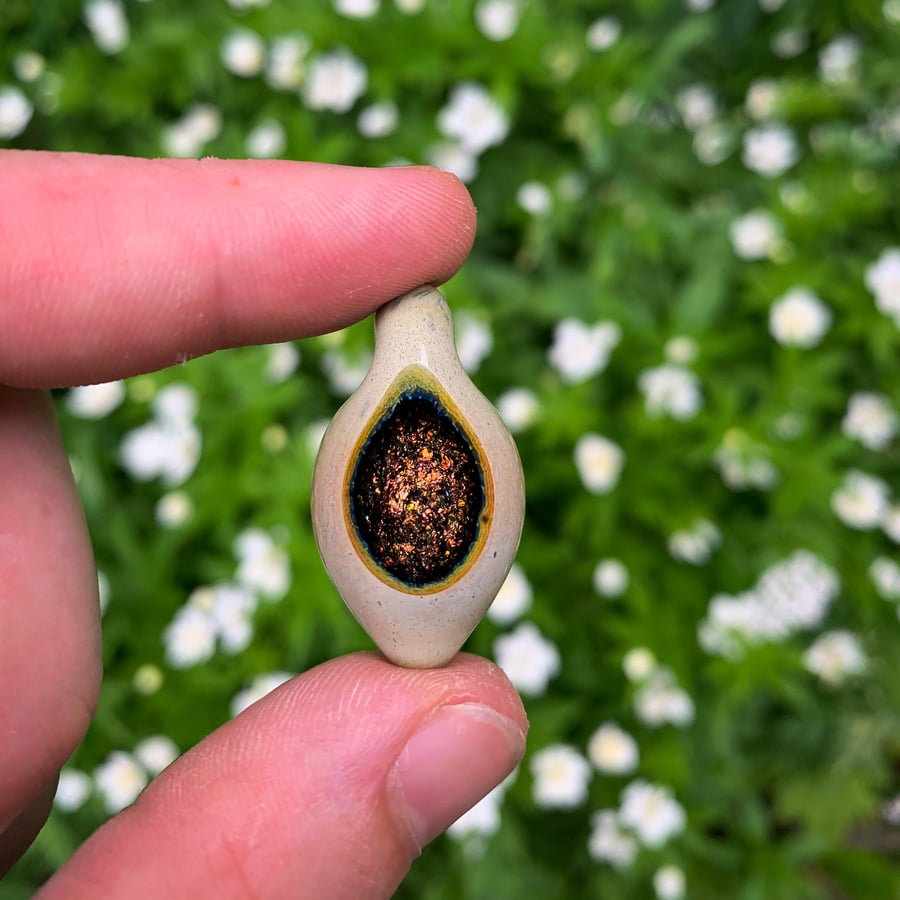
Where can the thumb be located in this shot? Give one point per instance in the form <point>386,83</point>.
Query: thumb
<point>328,787</point>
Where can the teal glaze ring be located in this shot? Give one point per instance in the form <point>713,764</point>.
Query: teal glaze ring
<point>418,494</point>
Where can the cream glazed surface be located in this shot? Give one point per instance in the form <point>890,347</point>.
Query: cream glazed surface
<point>418,493</point>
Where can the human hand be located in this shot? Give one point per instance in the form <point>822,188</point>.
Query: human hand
<point>329,786</point>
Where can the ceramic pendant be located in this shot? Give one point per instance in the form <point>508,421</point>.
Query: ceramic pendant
<point>418,498</point>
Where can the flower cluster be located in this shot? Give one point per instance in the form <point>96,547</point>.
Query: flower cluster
<point>222,614</point>
<point>793,595</point>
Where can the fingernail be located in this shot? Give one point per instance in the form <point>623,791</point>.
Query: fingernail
<point>456,757</point>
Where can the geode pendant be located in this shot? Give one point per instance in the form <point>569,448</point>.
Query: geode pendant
<point>418,496</point>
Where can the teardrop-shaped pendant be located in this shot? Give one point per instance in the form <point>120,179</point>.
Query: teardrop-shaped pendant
<point>418,496</point>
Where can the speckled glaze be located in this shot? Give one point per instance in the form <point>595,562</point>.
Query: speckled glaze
<point>417,626</point>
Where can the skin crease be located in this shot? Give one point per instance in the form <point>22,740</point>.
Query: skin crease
<point>110,267</point>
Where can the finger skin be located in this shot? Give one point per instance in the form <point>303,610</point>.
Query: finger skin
<point>110,266</point>
<point>19,834</point>
<point>49,612</point>
<point>293,799</point>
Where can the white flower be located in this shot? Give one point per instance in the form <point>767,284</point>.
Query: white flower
<point>762,98</point>
<point>103,591</point>
<point>357,9</point>
<point>410,7</point>
<point>519,408</point>
<point>232,612</point>
<point>791,595</point>
<point>652,811</point>
<point>497,20</point>
<point>263,567</point>
<point>95,401</point>
<point>668,883</point>
<point>608,842</point>
<point>712,143</point>
<point>755,235</point>
<point>175,404</point>
<point>453,157</point>
<point>890,810</point>
<point>890,522</point>
<point>287,61</point>
<point>274,438</point>
<point>528,658</point>
<point>681,350</point>
<point>610,578</point>
<point>612,750</point>
<point>16,111</point>
<point>561,775</point>
<point>473,118</point>
<point>72,791</point>
<point>861,500</point>
<point>344,374</point>
<point>886,122</point>
<point>770,150</point>
<point>695,545</point>
<point>173,509</point>
<point>170,452</point>
<point>603,33</point>
<point>120,779</point>
<point>794,594</point>
<point>599,462</point>
<point>671,390</point>
<point>839,59</point>
<point>661,701</point>
<point>743,463</point>
<point>885,575</point>
<point>107,24</point>
<point>187,136</point>
<point>697,105</point>
<point>882,278</point>
<point>638,664</point>
<point>267,140</point>
<point>378,120</point>
<point>28,66</point>
<point>514,598</point>
<point>282,362</point>
<point>870,420</point>
<point>799,319</point>
<point>835,657</point>
<point>190,638</point>
<point>148,679</point>
<point>335,81</point>
<point>789,43</point>
<point>474,340</point>
<point>580,351</point>
<point>258,688</point>
<point>243,53</point>
<point>156,753</point>
<point>535,198</point>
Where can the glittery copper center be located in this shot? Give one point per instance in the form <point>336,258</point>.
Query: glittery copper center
<point>416,494</point>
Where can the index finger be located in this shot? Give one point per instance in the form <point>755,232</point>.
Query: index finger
<point>110,266</point>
